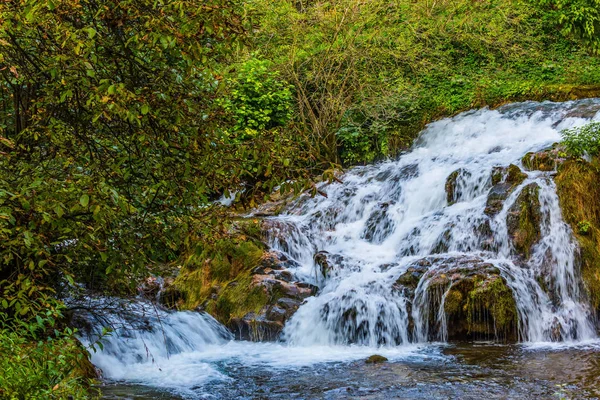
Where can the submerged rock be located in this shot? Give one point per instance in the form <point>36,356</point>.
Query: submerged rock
<point>328,263</point>
<point>376,359</point>
<point>379,225</point>
<point>453,187</point>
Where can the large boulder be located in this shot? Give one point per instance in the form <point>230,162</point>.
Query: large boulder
<point>524,220</point>
<point>476,301</point>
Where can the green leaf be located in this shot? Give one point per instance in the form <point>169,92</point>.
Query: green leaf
<point>84,200</point>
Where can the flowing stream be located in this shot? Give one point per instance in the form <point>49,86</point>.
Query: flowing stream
<point>373,226</point>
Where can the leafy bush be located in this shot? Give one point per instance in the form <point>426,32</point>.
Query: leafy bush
<point>582,140</point>
<point>578,17</point>
<point>39,361</point>
<point>259,99</point>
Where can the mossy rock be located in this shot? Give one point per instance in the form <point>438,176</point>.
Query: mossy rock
<point>578,190</point>
<point>546,160</point>
<point>453,193</point>
<point>504,180</point>
<point>376,359</point>
<point>477,302</point>
<point>524,220</point>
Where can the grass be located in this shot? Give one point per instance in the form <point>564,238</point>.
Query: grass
<point>370,75</point>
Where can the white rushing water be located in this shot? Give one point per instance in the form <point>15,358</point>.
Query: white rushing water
<point>378,222</point>
<point>383,217</point>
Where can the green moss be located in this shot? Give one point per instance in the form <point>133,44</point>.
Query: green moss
<point>454,302</point>
<point>578,189</point>
<point>376,359</point>
<point>524,220</point>
<point>218,278</point>
<point>494,297</point>
<point>515,175</point>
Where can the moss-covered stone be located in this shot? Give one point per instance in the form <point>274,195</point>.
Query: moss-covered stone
<point>546,160</point>
<point>504,181</point>
<point>578,186</point>
<point>524,218</point>
<point>475,298</point>
<point>477,304</point>
<point>494,298</point>
<point>376,359</point>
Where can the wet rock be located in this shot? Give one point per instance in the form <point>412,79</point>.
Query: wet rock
<point>171,297</point>
<point>486,236</point>
<point>255,328</point>
<point>505,180</point>
<point>441,245</point>
<point>412,276</point>
<point>161,291</point>
<point>276,313</point>
<point>376,359</point>
<point>476,302</point>
<point>290,306</point>
<point>453,192</point>
<point>378,225</point>
<point>584,111</point>
<point>150,287</point>
<point>523,220</point>
<point>328,262</point>
<point>546,160</point>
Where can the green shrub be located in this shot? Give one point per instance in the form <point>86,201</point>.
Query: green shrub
<point>259,99</point>
<point>577,17</point>
<point>582,140</point>
<point>38,361</point>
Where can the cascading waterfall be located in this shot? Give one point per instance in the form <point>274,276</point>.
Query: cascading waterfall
<point>384,217</point>
<point>145,338</point>
<point>396,244</point>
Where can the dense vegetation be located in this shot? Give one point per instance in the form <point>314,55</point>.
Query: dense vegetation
<point>122,121</point>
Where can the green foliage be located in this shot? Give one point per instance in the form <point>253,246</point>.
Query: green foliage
<point>259,100</point>
<point>582,140</point>
<point>369,75</point>
<point>113,143</point>
<point>576,17</point>
<point>584,227</point>
<point>38,360</point>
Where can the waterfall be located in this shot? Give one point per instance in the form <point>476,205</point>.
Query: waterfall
<point>404,253</point>
<point>145,339</point>
<point>382,219</point>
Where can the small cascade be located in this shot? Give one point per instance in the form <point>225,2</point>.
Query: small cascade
<point>144,338</point>
<point>455,237</point>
